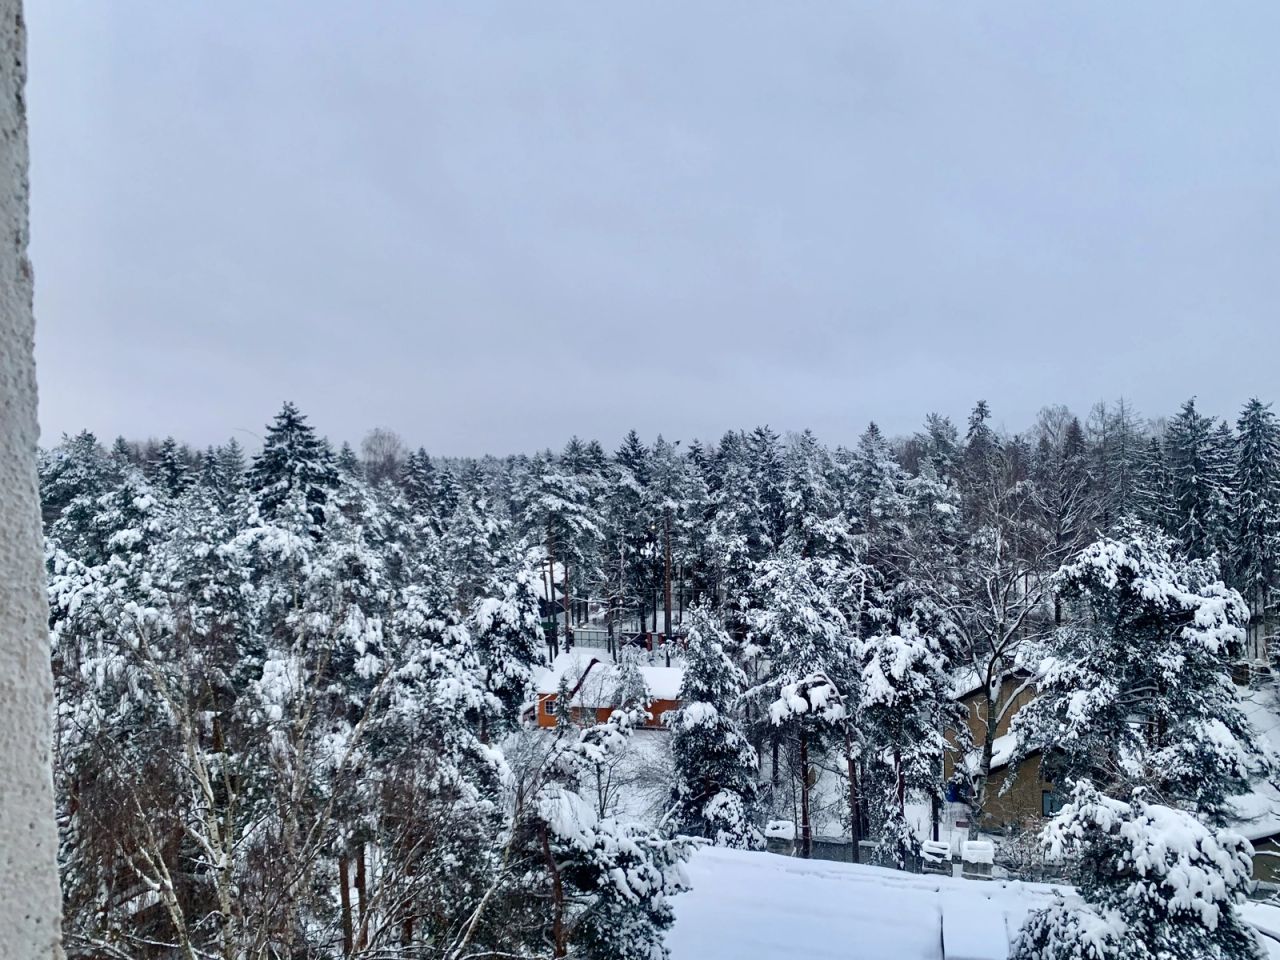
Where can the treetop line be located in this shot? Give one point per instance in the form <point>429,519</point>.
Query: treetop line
<point>292,689</point>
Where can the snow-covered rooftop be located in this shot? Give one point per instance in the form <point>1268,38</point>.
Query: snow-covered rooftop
<point>602,677</point>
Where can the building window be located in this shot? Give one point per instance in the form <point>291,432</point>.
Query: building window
<point>1050,803</point>
<point>548,706</point>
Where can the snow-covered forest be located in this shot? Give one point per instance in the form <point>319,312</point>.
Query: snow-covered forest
<point>295,689</point>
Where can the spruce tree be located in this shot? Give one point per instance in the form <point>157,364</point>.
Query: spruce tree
<point>807,642</point>
<point>419,481</point>
<point>231,466</point>
<point>1115,451</point>
<point>1157,884</point>
<point>716,792</point>
<point>168,469</point>
<point>1255,555</point>
<point>507,632</point>
<point>1199,460</point>
<point>347,462</point>
<point>737,535</point>
<point>1136,690</point>
<point>76,469</point>
<point>294,473</point>
<point>815,526</point>
<point>1153,491</point>
<point>939,446</point>
<point>980,448</point>
<point>904,705</point>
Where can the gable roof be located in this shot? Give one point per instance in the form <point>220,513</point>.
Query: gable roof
<point>592,679</point>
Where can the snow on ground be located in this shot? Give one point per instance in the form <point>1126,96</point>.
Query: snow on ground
<point>757,906</point>
<point>760,906</point>
<point>1265,918</point>
<point>1258,812</point>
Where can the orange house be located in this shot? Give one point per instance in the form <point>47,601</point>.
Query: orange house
<point>591,691</point>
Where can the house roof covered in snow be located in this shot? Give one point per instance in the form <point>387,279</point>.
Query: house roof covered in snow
<point>596,676</point>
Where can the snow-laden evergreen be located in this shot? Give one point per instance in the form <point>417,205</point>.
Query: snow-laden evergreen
<point>1158,884</point>
<point>716,793</point>
<point>294,697</point>
<point>904,708</point>
<point>1137,689</point>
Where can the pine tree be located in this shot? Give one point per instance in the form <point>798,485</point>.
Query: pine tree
<point>168,469</point>
<point>667,503</point>
<point>1115,452</point>
<point>807,639</point>
<point>980,448</point>
<point>716,791</point>
<point>904,703</point>
<point>294,474</point>
<point>1136,711</point>
<point>1255,557</point>
<point>1199,457</point>
<point>1153,493</point>
<point>558,512</point>
<point>1157,883</point>
<point>348,463</point>
<point>76,469</point>
<point>602,884</point>
<point>940,447</point>
<point>628,548</point>
<point>507,633</point>
<point>1136,690</point>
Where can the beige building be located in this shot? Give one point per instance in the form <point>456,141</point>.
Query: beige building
<point>1017,795</point>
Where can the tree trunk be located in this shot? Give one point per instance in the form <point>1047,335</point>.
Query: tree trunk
<point>901,794</point>
<point>568,628</point>
<point>855,804</point>
<point>979,799</point>
<point>558,946</point>
<point>666,579</point>
<point>344,895</point>
<point>362,900</point>
<point>553,639</point>
<point>806,828</point>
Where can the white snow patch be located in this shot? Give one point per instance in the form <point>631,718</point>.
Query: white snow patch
<point>759,906</point>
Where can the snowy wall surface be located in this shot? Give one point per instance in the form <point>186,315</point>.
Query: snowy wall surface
<point>29,898</point>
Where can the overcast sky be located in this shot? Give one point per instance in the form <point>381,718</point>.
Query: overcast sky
<point>489,226</point>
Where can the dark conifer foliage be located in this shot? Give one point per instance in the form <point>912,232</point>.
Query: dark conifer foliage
<point>295,699</point>
<point>294,470</point>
